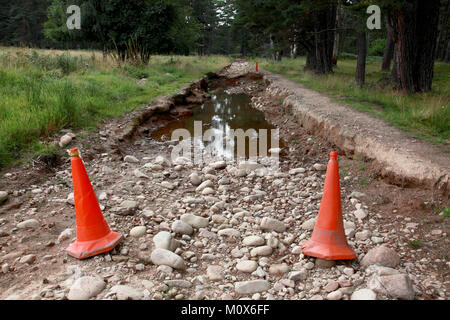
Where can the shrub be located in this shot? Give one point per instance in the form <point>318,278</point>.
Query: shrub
<point>377,47</point>
<point>135,72</point>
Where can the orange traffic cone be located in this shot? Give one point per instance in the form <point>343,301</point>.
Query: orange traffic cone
<point>328,240</point>
<point>93,233</point>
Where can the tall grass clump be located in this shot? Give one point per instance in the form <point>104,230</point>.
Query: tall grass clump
<point>65,62</point>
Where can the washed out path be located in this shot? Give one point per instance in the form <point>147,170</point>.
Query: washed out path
<point>220,230</point>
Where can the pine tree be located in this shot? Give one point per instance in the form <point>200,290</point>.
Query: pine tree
<point>21,22</point>
<point>415,25</point>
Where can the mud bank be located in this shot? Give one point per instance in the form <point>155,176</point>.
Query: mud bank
<point>402,159</point>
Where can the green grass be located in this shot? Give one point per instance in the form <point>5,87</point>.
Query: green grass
<point>444,210</point>
<point>362,168</point>
<point>42,92</point>
<point>361,164</point>
<point>425,115</point>
<point>365,182</point>
<point>344,170</point>
<point>343,173</point>
<point>447,212</point>
<point>416,244</point>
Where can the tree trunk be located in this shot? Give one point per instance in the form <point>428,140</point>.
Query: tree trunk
<point>244,43</point>
<point>336,37</point>
<point>294,50</point>
<point>427,31</point>
<point>244,47</point>
<point>105,53</point>
<point>310,60</point>
<point>362,54</point>
<point>436,52</point>
<point>336,49</point>
<point>210,42</point>
<point>272,48</point>
<point>394,74</point>
<point>441,43</point>
<point>324,39</point>
<point>228,42</point>
<point>278,56</point>
<point>389,52</point>
<point>416,25</point>
<point>447,54</point>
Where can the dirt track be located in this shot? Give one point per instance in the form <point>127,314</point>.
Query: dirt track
<point>35,265</point>
<point>404,159</point>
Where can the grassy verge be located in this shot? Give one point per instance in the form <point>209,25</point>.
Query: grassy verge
<point>42,92</point>
<point>425,115</point>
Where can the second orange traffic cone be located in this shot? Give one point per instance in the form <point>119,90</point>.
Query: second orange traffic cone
<point>328,240</point>
<point>93,234</point>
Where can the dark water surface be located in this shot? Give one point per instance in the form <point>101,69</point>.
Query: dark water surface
<point>224,112</point>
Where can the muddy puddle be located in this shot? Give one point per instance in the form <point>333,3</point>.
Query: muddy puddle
<point>228,110</point>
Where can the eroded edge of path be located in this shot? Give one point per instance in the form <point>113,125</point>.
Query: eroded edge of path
<point>404,159</point>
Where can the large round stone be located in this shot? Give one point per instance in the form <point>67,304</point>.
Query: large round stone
<point>181,227</point>
<point>381,255</point>
<point>167,258</point>
<point>138,232</point>
<point>85,288</point>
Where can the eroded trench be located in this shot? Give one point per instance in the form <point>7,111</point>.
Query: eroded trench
<point>217,106</point>
<point>223,102</point>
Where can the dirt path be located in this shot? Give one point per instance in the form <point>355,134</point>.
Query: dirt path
<point>403,159</point>
<point>233,250</point>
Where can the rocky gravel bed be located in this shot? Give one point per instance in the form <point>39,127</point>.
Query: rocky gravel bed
<point>222,231</point>
<point>216,231</point>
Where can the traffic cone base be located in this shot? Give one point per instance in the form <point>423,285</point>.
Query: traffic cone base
<point>87,249</point>
<point>334,248</point>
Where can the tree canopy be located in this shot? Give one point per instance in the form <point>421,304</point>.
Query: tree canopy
<point>413,33</point>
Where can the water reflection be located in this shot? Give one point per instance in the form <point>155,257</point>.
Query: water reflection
<point>219,118</point>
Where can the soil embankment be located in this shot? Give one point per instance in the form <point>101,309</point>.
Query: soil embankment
<point>403,159</point>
